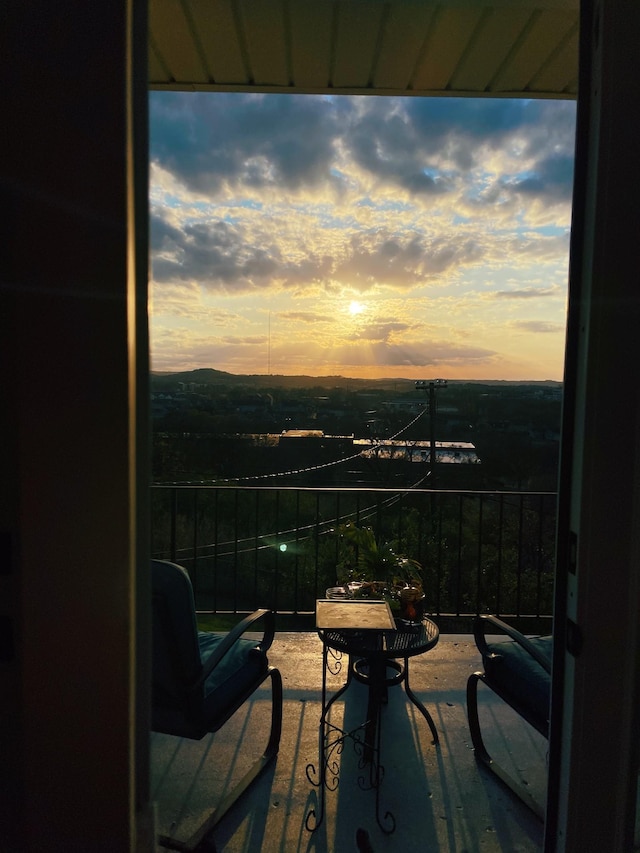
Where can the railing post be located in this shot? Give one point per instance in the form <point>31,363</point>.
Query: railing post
<point>296,565</point>
<point>479,567</point>
<point>256,542</point>
<point>519,586</point>
<point>277,552</point>
<point>500,548</point>
<point>174,513</point>
<point>319,593</point>
<point>235,550</point>
<point>216,539</point>
<point>194,551</point>
<point>459,571</point>
<point>539,553</point>
<point>439,567</point>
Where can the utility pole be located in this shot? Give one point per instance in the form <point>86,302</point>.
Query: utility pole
<point>431,386</point>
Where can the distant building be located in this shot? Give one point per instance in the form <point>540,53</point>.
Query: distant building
<point>450,452</point>
<point>301,433</point>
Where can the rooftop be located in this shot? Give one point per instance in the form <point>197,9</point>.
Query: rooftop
<point>440,798</point>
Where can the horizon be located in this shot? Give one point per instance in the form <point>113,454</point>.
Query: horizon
<point>265,376</point>
<point>360,237</point>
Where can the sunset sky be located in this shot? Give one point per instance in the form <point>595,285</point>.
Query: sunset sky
<point>360,236</point>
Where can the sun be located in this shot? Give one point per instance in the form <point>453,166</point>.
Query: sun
<point>355,308</point>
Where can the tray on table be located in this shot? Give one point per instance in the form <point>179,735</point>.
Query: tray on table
<point>356,615</point>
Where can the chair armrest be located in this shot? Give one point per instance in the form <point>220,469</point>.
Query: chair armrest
<point>482,623</point>
<point>236,632</point>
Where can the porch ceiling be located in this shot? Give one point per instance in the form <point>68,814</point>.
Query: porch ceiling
<point>504,48</point>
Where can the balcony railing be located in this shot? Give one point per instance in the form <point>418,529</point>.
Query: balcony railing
<point>277,546</point>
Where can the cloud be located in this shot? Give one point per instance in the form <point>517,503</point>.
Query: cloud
<point>243,340</point>
<point>402,260</point>
<point>441,148</point>
<point>242,140</point>
<point>412,354</point>
<point>379,144</point>
<point>537,326</point>
<point>219,256</point>
<point>458,208</point>
<point>380,331</point>
<point>550,178</point>
<point>436,146</point>
<point>305,317</point>
<point>526,293</point>
<point>424,146</point>
<point>224,257</point>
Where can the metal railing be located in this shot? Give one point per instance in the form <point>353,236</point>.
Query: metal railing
<point>277,546</point>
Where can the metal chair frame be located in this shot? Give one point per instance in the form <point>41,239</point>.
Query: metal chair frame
<point>198,840</point>
<point>481,625</point>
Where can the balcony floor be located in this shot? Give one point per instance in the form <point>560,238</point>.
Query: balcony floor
<point>441,799</point>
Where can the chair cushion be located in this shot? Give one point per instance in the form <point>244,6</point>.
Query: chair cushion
<point>234,677</point>
<point>229,685</point>
<point>519,677</point>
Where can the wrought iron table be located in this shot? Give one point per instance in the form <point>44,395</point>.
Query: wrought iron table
<point>373,653</point>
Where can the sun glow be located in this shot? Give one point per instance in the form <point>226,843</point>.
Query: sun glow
<point>355,308</point>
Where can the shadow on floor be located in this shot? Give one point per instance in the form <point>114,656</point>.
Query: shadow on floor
<point>440,798</point>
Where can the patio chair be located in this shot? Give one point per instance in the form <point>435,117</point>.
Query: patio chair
<point>518,670</point>
<point>201,679</point>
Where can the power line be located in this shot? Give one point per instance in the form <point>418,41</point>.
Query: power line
<point>324,465</point>
<point>325,528</point>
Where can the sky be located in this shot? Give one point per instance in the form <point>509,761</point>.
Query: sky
<point>366,237</point>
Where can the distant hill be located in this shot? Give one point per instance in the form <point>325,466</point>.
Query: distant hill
<point>203,376</point>
<point>209,376</point>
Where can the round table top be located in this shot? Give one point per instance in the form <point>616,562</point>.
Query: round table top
<point>405,642</point>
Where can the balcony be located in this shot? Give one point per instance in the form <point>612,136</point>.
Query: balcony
<point>480,551</point>
<point>440,797</point>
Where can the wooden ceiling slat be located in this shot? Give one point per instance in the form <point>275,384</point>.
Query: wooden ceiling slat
<point>174,41</point>
<point>311,29</point>
<point>155,69</point>
<point>265,34</point>
<point>546,30</point>
<point>559,70</point>
<point>447,40</point>
<point>501,28</point>
<point>219,37</point>
<point>356,39</point>
<point>402,42</point>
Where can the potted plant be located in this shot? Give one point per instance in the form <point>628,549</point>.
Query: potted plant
<point>367,568</point>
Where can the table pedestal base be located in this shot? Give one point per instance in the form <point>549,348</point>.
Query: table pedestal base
<point>326,777</point>
<point>372,655</point>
